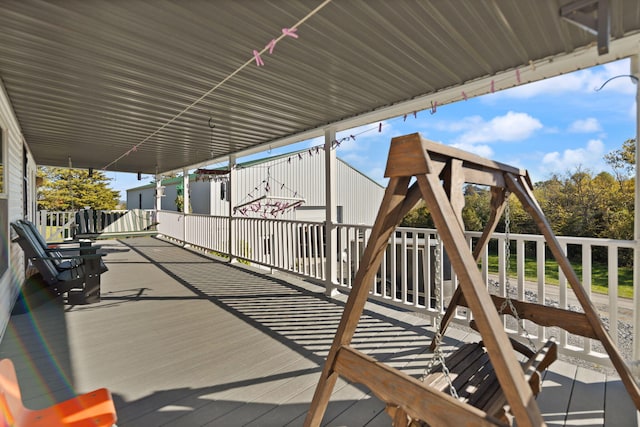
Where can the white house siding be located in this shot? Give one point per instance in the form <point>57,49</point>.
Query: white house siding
<point>13,277</point>
<point>218,206</point>
<point>200,197</point>
<point>358,197</point>
<point>359,193</point>
<point>141,198</point>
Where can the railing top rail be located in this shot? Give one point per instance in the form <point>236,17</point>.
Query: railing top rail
<point>593,241</point>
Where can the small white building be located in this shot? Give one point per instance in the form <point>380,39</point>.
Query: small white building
<point>289,186</point>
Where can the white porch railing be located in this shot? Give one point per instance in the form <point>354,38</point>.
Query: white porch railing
<point>406,275</point>
<point>56,226</point>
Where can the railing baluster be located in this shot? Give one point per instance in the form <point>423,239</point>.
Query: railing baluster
<point>586,284</point>
<point>298,247</point>
<point>562,288</point>
<point>612,255</point>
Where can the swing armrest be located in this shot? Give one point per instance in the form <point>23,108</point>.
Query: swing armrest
<point>538,361</point>
<point>544,357</point>
<point>532,373</point>
<point>517,345</point>
<point>69,257</point>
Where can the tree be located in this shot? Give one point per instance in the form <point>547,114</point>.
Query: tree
<point>623,160</point>
<point>418,217</point>
<point>69,189</point>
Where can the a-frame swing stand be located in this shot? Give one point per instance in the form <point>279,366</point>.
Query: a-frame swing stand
<point>440,173</point>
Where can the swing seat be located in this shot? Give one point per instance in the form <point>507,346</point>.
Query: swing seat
<point>475,380</point>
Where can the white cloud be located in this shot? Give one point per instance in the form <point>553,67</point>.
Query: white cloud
<point>588,157</point>
<point>464,124</point>
<point>585,126</point>
<point>482,150</point>
<point>573,82</point>
<point>510,127</point>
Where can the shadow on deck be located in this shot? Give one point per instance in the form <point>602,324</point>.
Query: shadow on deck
<point>182,339</point>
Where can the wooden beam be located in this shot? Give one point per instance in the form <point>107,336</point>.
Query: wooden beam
<point>507,368</point>
<point>453,181</point>
<point>395,204</point>
<point>524,193</point>
<point>418,400</point>
<point>407,158</point>
<point>543,315</point>
<point>498,204</point>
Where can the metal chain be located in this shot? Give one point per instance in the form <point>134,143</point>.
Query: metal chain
<point>507,302</point>
<point>438,355</point>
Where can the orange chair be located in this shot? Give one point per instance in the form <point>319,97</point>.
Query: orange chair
<point>92,409</point>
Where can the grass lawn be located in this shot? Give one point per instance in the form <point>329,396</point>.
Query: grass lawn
<point>599,274</point>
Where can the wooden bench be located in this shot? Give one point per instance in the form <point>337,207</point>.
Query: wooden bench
<point>474,378</point>
<point>93,409</point>
<point>77,273</point>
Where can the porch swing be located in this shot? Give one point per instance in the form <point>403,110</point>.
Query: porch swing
<point>467,374</point>
<point>417,169</point>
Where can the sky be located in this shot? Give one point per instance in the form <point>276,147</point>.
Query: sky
<point>556,125</point>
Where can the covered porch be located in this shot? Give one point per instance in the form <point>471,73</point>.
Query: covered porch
<point>181,338</point>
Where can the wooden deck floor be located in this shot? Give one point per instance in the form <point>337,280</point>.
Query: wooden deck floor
<point>184,340</point>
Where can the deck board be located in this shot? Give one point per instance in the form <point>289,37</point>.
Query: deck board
<point>589,409</point>
<point>183,339</point>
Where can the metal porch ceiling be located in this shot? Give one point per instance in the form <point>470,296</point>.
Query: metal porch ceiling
<point>92,79</point>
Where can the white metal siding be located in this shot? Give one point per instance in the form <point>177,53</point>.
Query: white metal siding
<point>295,176</point>
<point>13,278</point>
<point>168,202</point>
<point>218,205</point>
<point>148,199</point>
<point>360,196</point>
<point>200,197</point>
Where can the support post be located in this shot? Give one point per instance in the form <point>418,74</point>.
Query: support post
<point>231,236</point>
<point>635,70</point>
<point>158,203</point>
<point>185,203</point>
<point>331,256</point>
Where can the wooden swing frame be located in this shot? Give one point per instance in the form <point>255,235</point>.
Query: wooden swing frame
<point>440,173</point>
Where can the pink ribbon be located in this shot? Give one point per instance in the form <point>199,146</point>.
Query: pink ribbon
<point>291,32</point>
<point>259,61</point>
<point>518,76</point>
<point>271,46</point>
<point>464,96</point>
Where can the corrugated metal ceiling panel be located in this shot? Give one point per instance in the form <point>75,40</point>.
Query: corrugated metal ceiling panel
<point>91,79</point>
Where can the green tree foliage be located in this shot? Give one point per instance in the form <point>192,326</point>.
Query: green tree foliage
<point>419,216</point>
<point>576,203</point>
<point>68,189</point>
<point>623,160</point>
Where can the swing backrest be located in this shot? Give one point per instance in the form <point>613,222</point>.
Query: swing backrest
<point>542,315</point>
